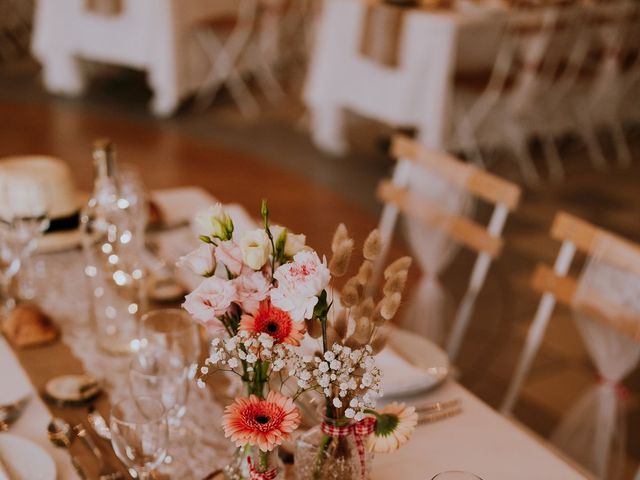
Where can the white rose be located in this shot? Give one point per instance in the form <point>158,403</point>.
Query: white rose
<point>256,247</point>
<point>293,243</point>
<point>213,223</point>
<point>201,261</point>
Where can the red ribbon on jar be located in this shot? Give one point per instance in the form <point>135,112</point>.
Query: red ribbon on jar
<point>360,431</point>
<point>254,474</point>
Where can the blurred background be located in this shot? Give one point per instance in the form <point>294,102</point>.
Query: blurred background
<point>299,100</point>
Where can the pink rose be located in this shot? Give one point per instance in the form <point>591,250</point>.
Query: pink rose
<point>210,300</point>
<point>299,284</point>
<point>230,255</point>
<point>201,261</point>
<point>251,289</point>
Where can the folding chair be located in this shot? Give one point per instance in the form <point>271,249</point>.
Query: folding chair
<point>225,55</point>
<point>554,284</point>
<point>486,241</point>
<point>605,300</point>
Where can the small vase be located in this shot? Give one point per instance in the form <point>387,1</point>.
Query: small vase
<point>248,463</point>
<point>323,456</point>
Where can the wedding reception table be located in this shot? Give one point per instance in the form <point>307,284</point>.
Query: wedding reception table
<point>431,45</point>
<point>477,440</point>
<point>151,35</point>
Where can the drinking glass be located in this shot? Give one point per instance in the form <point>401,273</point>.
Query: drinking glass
<point>139,433</point>
<point>171,330</point>
<point>456,475</point>
<point>162,377</point>
<point>24,205</point>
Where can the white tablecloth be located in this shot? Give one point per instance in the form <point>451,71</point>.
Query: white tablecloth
<point>32,425</point>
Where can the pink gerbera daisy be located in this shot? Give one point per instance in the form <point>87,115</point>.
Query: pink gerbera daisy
<point>265,423</point>
<point>275,322</point>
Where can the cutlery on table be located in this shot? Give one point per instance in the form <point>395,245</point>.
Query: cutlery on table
<point>62,434</point>
<point>99,424</point>
<point>436,411</point>
<point>11,412</point>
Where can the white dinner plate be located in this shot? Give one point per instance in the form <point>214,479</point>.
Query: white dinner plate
<point>411,364</point>
<point>25,459</point>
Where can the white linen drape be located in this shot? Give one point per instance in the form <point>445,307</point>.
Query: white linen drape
<point>433,249</point>
<point>594,430</point>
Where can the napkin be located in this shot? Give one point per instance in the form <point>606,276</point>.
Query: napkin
<point>400,377</point>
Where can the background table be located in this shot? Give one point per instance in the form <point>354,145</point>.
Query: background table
<point>433,45</point>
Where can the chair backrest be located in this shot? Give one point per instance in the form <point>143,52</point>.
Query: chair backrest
<point>575,232</point>
<point>485,240</point>
<point>556,285</point>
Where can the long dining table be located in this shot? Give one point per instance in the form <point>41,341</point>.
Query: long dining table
<point>479,439</point>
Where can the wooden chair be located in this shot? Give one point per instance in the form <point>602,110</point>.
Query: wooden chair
<point>555,285</point>
<point>486,241</point>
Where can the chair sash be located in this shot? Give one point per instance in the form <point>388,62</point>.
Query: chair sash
<point>433,249</point>
<point>594,430</point>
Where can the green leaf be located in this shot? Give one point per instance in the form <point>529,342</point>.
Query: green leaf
<point>386,423</point>
<point>321,308</point>
<point>205,239</point>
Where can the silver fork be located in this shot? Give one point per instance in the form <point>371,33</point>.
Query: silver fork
<point>105,472</point>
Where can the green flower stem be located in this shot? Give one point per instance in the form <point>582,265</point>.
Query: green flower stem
<point>263,461</point>
<point>321,456</point>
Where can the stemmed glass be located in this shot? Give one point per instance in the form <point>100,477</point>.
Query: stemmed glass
<point>162,377</point>
<point>139,433</point>
<point>456,475</point>
<point>171,330</point>
<point>24,218</point>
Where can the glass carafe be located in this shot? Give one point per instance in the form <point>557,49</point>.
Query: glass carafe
<point>113,243</point>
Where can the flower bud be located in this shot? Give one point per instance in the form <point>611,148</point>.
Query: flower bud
<point>213,223</point>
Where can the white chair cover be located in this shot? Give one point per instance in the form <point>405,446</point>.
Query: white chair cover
<point>434,250</point>
<point>594,430</point>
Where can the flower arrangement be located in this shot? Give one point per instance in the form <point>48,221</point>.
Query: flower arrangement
<point>262,293</point>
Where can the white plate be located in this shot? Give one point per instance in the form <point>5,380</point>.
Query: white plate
<point>26,459</point>
<point>411,364</point>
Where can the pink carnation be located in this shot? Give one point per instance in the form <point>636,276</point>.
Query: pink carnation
<point>299,284</point>
<point>210,300</point>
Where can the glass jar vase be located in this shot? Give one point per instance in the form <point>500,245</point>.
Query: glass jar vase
<point>332,451</point>
<point>249,463</point>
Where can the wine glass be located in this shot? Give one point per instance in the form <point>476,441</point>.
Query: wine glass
<point>456,475</point>
<point>23,220</point>
<point>162,377</point>
<point>171,330</point>
<point>139,433</point>
<point>165,378</point>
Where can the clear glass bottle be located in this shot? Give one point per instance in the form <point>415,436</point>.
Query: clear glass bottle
<point>113,245</point>
<point>319,456</point>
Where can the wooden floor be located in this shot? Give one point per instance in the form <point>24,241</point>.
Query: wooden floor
<point>171,157</point>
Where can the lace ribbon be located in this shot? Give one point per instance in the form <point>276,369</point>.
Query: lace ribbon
<point>254,474</point>
<point>360,430</point>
